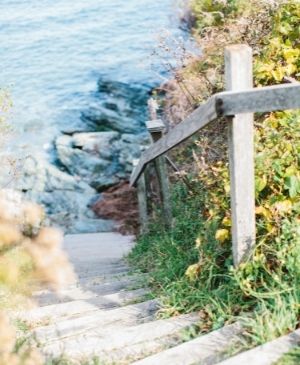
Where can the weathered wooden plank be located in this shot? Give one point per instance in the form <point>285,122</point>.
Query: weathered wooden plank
<point>264,99</point>
<point>156,128</point>
<point>142,201</point>
<point>239,76</point>
<point>195,121</point>
<point>152,107</point>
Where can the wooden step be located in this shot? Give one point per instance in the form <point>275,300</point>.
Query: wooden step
<point>55,312</point>
<point>92,282</point>
<point>101,269</point>
<point>266,354</point>
<point>99,342</point>
<point>205,350</point>
<point>47,297</point>
<point>97,247</point>
<point>105,319</point>
<point>98,253</point>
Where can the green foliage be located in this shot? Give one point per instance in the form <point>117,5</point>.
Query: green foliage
<point>191,265</point>
<point>214,13</point>
<point>168,254</point>
<point>290,358</point>
<point>281,56</point>
<point>171,251</point>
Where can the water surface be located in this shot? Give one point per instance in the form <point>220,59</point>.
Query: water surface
<point>53,53</point>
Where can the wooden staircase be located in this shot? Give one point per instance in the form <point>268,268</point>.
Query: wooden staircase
<point>109,315</point>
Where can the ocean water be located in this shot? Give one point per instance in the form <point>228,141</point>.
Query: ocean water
<point>54,52</point>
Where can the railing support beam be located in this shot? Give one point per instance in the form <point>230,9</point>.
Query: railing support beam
<point>156,129</point>
<point>239,76</point>
<point>142,201</point>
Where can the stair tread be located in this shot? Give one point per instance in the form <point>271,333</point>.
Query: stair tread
<point>98,342</point>
<point>64,310</point>
<point>205,349</point>
<point>75,292</point>
<point>266,354</point>
<point>125,316</point>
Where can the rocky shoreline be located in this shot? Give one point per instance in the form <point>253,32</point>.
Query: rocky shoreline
<point>90,157</point>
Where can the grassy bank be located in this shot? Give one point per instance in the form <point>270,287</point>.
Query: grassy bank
<point>191,264</point>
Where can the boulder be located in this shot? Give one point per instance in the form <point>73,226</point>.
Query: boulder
<point>101,159</point>
<point>119,107</point>
<point>65,198</point>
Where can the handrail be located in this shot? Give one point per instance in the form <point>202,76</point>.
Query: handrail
<point>238,104</point>
<point>228,103</point>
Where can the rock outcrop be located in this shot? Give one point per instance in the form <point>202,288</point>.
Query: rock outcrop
<point>66,198</point>
<point>90,156</point>
<point>101,159</point>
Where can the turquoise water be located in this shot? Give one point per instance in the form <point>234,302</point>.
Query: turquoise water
<point>54,52</point>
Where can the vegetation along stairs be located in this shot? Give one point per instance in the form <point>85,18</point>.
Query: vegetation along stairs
<point>109,315</point>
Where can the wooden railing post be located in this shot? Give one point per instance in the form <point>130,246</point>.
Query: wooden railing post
<point>142,200</point>
<point>156,129</point>
<point>239,76</point>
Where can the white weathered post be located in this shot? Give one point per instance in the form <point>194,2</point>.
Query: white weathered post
<point>142,200</point>
<point>239,76</point>
<point>156,129</point>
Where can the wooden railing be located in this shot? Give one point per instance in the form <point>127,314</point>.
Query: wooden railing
<point>238,104</point>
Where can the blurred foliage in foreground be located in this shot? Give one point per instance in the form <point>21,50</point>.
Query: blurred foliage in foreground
<point>31,258</point>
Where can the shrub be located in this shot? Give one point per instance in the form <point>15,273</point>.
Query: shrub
<point>268,283</point>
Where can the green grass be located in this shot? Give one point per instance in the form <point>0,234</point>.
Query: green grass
<point>190,265</point>
<point>290,358</point>
<point>166,255</point>
<point>221,293</point>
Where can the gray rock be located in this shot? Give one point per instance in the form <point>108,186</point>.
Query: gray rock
<point>95,152</point>
<point>101,159</point>
<point>119,107</point>
<point>103,119</point>
<point>65,198</point>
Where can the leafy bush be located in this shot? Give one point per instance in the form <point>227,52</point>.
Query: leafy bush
<point>216,12</point>
<point>281,56</point>
<point>268,283</point>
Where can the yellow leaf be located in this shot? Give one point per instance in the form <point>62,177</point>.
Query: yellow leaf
<point>226,222</point>
<point>198,242</point>
<point>261,183</point>
<point>227,188</point>
<point>291,55</point>
<point>284,206</point>
<point>271,228</point>
<point>192,271</point>
<point>290,69</point>
<point>263,211</point>
<point>278,74</point>
<point>222,235</point>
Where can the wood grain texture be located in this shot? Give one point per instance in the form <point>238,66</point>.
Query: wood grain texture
<point>239,76</point>
<point>264,99</point>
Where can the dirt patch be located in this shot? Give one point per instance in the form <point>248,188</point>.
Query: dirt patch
<point>120,204</point>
